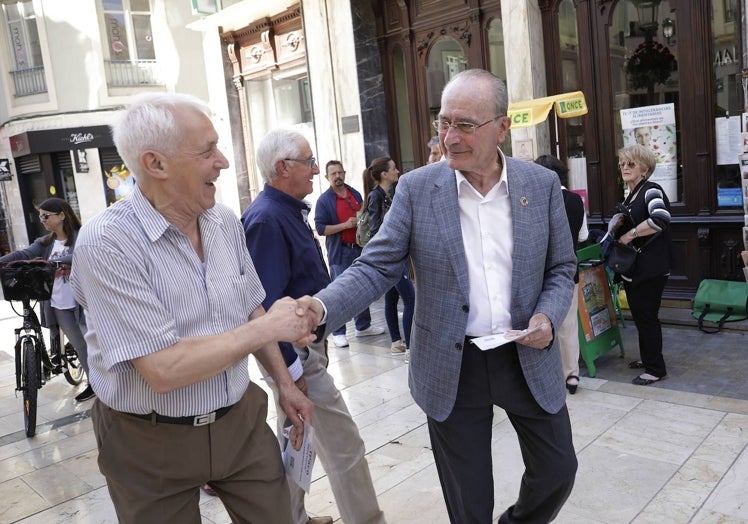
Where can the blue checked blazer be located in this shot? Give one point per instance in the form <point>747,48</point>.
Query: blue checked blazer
<point>424,224</point>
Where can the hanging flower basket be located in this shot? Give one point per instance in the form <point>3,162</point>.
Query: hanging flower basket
<point>651,63</point>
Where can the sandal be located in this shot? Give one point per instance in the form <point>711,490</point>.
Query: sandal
<point>636,364</point>
<point>572,387</point>
<point>645,379</point>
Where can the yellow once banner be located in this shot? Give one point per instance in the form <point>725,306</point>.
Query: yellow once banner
<point>533,112</point>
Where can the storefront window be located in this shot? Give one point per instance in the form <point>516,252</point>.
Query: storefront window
<point>281,99</point>
<point>63,164</point>
<point>402,102</point>
<point>496,55</point>
<point>644,79</point>
<point>570,76</point>
<point>446,59</point>
<point>118,180</point>
<point>24,37</point>
<point>128,26</point>
<point>570,82</point>
<point>727,95</point>
<point>27,67</point>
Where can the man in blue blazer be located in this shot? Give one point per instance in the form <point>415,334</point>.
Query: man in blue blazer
<point>489,241</point>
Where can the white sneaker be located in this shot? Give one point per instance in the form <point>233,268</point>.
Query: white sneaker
<point>340,340</point>
<point>371,330</point>
<point>397,348</point>
<point>407,356</point>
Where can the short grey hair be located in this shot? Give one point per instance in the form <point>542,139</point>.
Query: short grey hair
<point>148,123</point>
<point>501,98</point>
<point>277,145</point>
<point>641,155</point>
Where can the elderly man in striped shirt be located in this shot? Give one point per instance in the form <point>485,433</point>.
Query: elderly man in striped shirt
<point>173,304</point>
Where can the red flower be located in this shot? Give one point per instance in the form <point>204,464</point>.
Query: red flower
<point>650,63</point>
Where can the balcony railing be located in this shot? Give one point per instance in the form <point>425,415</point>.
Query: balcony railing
<point>129,73</point>
<point>29,81</point>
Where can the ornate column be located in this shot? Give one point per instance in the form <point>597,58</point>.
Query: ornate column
<point>525,63</point>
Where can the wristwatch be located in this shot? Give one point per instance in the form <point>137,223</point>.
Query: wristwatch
<point>634,233</point>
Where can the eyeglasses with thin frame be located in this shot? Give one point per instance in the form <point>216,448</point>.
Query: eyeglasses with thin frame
<point>311,162</point>
<point>630,165</point>
<point>467,128</point>
<point>45,216</point>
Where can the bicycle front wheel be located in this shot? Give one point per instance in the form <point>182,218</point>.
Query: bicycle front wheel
<point>74,373</point>
<point>30,385</point>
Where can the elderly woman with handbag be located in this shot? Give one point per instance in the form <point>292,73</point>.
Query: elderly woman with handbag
<point>643,224</point>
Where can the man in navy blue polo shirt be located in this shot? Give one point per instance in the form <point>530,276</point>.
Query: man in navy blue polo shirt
<point>288,259</point>
<point>335,218</point>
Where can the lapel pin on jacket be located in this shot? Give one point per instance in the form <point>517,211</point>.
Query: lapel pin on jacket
<point>523,201</point>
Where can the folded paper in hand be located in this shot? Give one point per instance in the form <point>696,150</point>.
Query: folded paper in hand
<point>299,463</point>
<point>494,341</point>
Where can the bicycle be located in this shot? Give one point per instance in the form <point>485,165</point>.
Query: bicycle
<point>27,281</point>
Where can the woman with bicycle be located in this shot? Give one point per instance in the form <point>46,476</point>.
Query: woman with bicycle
<point>61,310</point>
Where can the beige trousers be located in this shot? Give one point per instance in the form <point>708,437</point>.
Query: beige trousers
<point>154,471</point>
<point>568,337</point>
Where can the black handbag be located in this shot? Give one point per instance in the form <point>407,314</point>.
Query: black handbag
<point>622,258</point>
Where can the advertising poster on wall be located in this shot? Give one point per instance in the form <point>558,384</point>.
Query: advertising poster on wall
<point>654,127</point>
<point>118,183</point>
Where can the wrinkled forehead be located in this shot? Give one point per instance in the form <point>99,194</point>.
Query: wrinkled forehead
<point>333,169</point>
<point>467,98</point>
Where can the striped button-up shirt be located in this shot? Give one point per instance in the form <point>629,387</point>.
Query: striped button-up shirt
<point>143,287</point>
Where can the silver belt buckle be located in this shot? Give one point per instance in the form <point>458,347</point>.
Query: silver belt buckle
<point>204,420</point>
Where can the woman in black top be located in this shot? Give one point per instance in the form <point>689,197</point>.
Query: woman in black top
<point>643,223</point>
<point>567,332</point>
<point>383,175</point>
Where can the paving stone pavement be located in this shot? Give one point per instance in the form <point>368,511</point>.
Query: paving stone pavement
<point>674,452</point>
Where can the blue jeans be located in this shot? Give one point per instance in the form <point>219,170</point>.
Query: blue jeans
<point>363,319</point>
<point>403,289</point>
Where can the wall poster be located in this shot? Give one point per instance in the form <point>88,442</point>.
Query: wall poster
<point>654,127</point>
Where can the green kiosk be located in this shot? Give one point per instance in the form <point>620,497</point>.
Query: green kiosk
<point>599,313</point>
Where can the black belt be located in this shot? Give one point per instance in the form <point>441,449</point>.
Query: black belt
<point>351,246</point>
<point>197,420</point>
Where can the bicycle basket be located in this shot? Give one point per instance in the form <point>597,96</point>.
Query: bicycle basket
<point>32,280</point>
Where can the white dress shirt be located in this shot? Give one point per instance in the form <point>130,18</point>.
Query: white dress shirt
<point>486,223</point>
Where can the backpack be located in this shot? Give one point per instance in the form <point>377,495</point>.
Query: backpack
<point>363,231</point>
<point>363,228</point>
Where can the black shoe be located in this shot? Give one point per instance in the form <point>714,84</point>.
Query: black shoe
<point>645,379</point>
<point>572,387</point>
<point>86,394</point>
